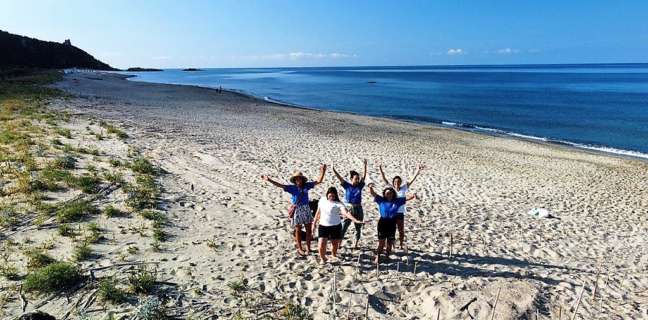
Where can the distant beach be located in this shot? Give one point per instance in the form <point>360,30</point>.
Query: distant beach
<point>537,102</point>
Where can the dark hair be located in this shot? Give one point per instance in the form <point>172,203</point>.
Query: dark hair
<point>397,177</point>
<point>389,189</point>
<point>353,173</point>
<point>334,192</point>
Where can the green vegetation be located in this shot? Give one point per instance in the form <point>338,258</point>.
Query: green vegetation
<point>54,277</point>
<point>143,194</point>
<point>82,251</point>
<point>143,166</point>
<point>65,230</point>
<point>143,281</point>
<point>108,291</point>
<point>114,130</point>
<point>292,311</point>
<point>111,212</point>
<point>75,211</point>
<point>36,258</point>
<point>93,233</point>
<point>65,162</point>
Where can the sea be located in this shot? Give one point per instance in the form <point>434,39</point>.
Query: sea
<point>600,107</point>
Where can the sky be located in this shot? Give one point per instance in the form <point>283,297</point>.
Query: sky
<point>246,33</point>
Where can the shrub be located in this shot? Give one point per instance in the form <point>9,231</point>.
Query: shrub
<point>153,216</point>
<point>82,251</point>
<point>143,281</point>
<point>113,177</point>
<point>64,132</point>
<point>87,184</point>
<point>36,258</point>
<point>95,233</point>
<point>111,211</point>
<point>54,277</point>
<point>143,166</point>
<point>112,129</point>
<point>10,272</point>
<point>159,235</point>
<point>75,211</point>
<point>65,230</point>
<point>151,309</point>
<point>143,194</point>
<point>65,162</point>
<point>115,162</point>
<point>292,311</point>
<point>108,291</point>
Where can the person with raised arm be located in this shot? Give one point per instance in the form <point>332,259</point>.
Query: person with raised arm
<point>299,212</point>
<point>328,216</point>
<point>388,205</point>
<point>353,199</point>
<point>401,191</point>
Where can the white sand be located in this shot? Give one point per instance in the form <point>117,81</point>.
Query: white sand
<point>477,188</point>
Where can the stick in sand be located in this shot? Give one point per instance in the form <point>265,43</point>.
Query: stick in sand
<point>334,289</point>
<point>415,264</point>
<point>438,314</point>
<point>495,305</point>
<point>560,313</point>
<point>578,301</point>
<point>451,244</point>
<point>367,308</point>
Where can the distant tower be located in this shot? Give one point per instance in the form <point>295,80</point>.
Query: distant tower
<point>67,42</point>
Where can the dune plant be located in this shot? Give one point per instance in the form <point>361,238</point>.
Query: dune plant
<point>75,211</point>
<point>108,291</point>
<point>53,277</point>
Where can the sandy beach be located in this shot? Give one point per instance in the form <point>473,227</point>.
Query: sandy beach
<point>471,245</point>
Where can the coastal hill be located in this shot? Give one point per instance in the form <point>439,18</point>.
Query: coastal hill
<point>21,51</point>
<point>140,69</point>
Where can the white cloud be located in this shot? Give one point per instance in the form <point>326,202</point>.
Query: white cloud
<point>507,51</point>
<point>456,52</point>
<point>300,55</point>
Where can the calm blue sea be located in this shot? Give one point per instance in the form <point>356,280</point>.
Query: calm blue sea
<point>598,106</point>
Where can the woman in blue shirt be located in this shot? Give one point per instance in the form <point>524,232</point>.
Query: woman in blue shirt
<point>353,199</point>
<point>299,212</point>
<point>388,205</point>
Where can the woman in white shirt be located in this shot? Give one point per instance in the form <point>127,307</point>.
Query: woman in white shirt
<point>401,191</point>
<point>328,216</point>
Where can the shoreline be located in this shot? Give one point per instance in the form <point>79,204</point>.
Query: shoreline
<point>488,131</point>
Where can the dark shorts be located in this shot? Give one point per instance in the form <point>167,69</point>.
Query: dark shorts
<point>386,229</point>
<point>330,232</point>
<point>400,216</point>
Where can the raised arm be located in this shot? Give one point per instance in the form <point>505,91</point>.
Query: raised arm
<point>371,190</point>
<point>321,176</point>
<point>275,183</point>
<point>418,171</point>
<point>364,175</point>
<point>338,175</point>
<point>382,174</point>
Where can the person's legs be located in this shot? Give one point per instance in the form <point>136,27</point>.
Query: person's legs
<point>358,213</point>
<point>298,239</point>
<point>345,226</point>
<point>336,245</point>
<point>321,248</point>
<point>400,222</point>
<point>309,237</point>
<point>381,245</point>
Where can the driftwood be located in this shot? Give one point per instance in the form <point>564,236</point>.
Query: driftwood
<point>578,301</point>
<point>23,300</point>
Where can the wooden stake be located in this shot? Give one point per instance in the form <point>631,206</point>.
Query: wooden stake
<point>334,290</point>
<point>23,301</point>
<point>495,305</point>
<point>415,264</point>
<point>578,301</point>
<point>398,266</point>
<point>367,308</point>
<point>451,244</point>
<point>598,271</point>
<point>560,313</point>
<point>438,314</point>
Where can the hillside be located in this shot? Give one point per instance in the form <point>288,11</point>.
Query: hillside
<point>20,51</point>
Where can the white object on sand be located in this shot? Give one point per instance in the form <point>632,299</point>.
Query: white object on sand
<point>539,213</point>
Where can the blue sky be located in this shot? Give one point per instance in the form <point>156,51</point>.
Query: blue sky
<point>338,33</point>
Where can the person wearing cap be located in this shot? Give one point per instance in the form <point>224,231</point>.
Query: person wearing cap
<point>353,199</point>
<point>299,212</point>
<point>388,205</point>
<point>401,190</point>
<point>328,216</point>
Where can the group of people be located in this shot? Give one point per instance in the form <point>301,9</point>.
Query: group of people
<point>333,217</point>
